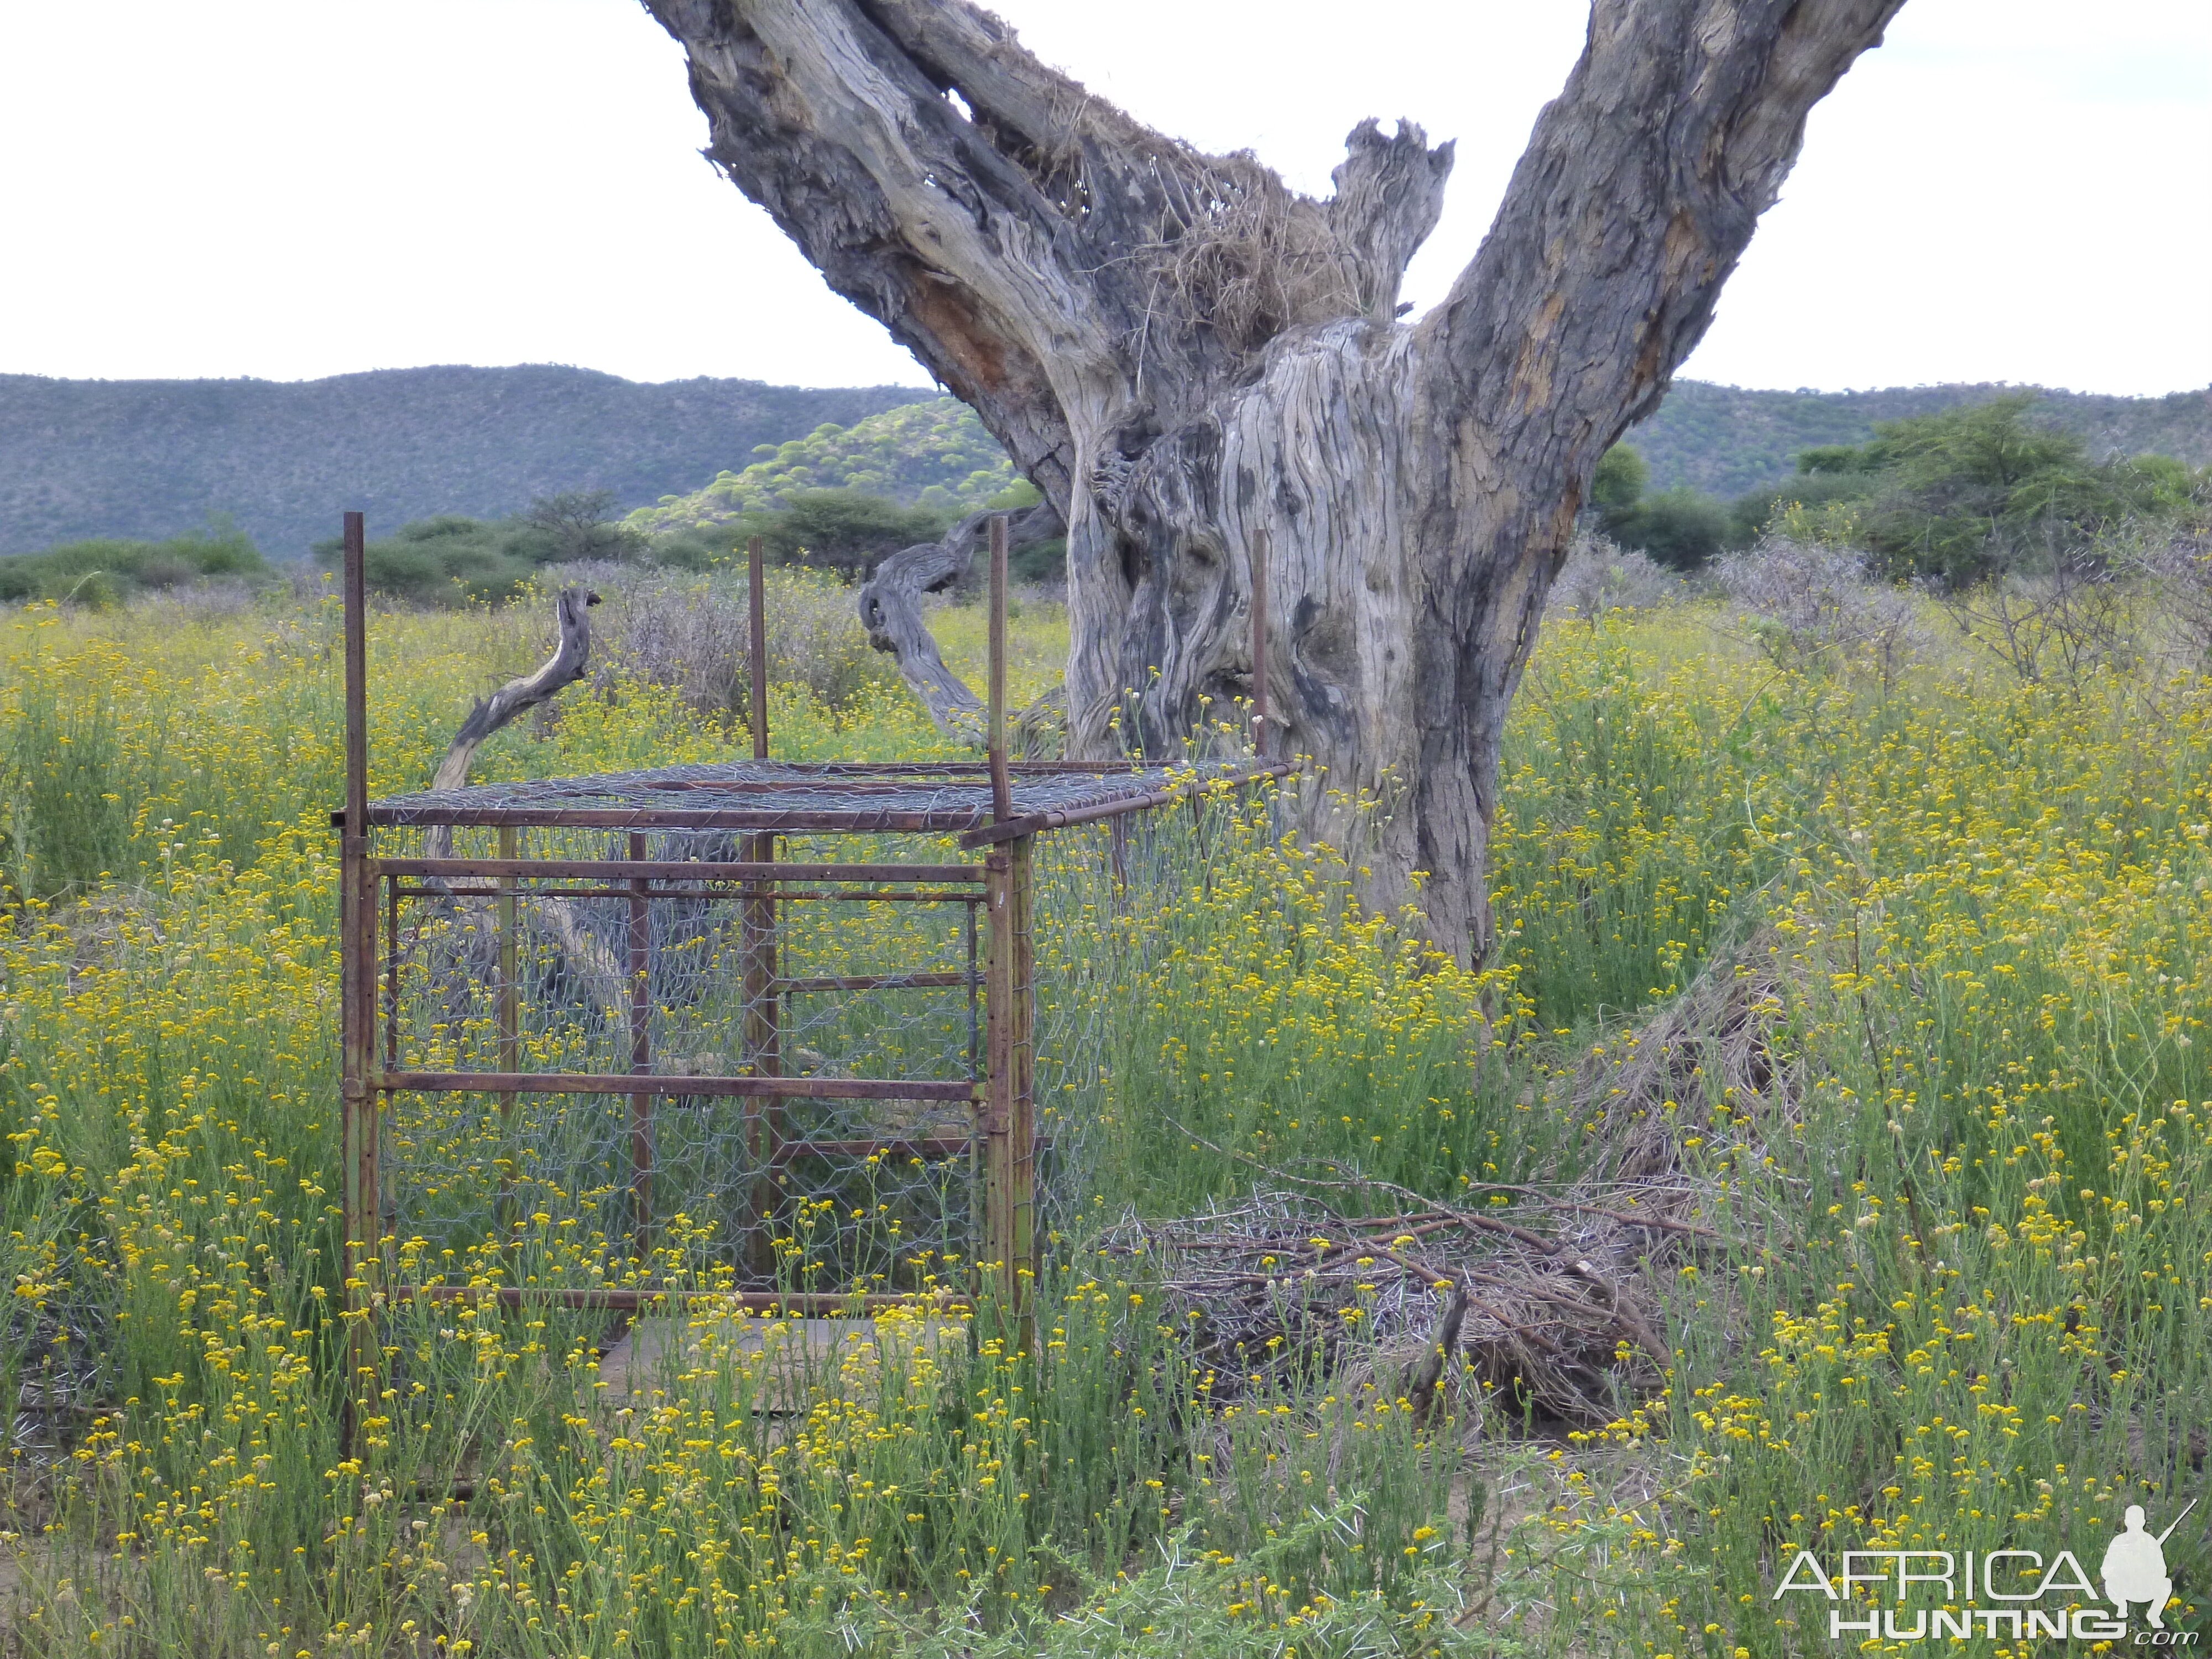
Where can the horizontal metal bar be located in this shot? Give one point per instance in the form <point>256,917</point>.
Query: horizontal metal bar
<point>870,896</point>
<point>856,820</point>
<point>1034,822</point>
<point>675,870</point>
<point>774,895</point>
<point>922,1146</point>
<point>639,1083</point>
<point>878,982</point>
<point>807,1304</point>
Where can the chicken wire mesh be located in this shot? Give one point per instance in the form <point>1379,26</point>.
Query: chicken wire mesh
<point>864,995</point>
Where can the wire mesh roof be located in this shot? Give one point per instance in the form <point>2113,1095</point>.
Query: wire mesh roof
<point>791,795</point>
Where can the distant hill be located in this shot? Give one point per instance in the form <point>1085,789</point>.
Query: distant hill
<point>1726,441</point>
<point>148,459</point>
<point>151,458</point>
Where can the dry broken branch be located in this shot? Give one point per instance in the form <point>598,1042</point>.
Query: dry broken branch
<point>891,611</point>
<point>571,657</point>
<point>1563,1295</point>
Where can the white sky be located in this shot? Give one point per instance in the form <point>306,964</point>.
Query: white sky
<point>2007,190</point>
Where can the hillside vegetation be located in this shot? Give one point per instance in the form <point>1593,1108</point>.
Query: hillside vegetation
<point>1726,441</point>
<point>101,573</point>
<point>147,459</point>
<point>933,455</point>
<point>1953,496</point>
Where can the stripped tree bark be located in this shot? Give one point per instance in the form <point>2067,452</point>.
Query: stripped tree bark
<point>1179,350</point>
<point>593,962</point>
<point>891,611</point>
<point>571,658</point>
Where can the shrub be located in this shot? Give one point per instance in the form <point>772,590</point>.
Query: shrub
<point>1599,578</point>
<point>1679,527</point>
<point>100,573</point>
<point>1814,608</point>
<point>1966,494</point>
<point>2177,563</point>
<point>840,530</point>
<point>692,633</point>
<point>451,559</point>
<point>2056,624</point>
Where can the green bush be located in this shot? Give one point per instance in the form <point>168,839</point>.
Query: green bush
<point>1960,495</point>
<point>934,455</point>
<point>451,559</point>
<point>1751,514</point>
<point>1680,527</point>
<point>100,573</point>
<point>840,530</point>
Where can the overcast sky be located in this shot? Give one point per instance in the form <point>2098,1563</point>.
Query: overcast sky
<point>2007,190</point>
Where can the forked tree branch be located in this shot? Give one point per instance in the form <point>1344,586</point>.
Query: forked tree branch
<point>1184,354</point>
<point>891,611</point>
<point>1639,193</point>
<point>572,655</point>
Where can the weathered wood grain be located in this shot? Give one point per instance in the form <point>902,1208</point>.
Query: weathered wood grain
<point>1180,352</point>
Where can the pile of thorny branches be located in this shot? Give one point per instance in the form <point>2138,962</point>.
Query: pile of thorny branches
<point>1558,1296</point>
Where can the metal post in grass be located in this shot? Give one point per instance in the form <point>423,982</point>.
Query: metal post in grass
<point>1258,645</point>
<point>1009,1126</point>
<point>510,1035</point>
<point>357,1125</point>
<point>756,643</point>
<point>640,1056</point>
<point>995,741</point>
<point>763,1001</point>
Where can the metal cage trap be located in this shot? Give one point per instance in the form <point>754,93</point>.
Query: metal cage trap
<point>788,1009</point>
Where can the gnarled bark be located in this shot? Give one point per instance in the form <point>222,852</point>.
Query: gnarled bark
<point>572,656</point>
<point>891,610</point>
<point>1179,351</point>
<point>603,976</point>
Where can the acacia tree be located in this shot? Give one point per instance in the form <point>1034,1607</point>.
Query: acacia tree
<point>1180,352</point>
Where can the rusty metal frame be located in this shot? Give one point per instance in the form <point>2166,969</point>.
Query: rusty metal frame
<point>1003,1143</point>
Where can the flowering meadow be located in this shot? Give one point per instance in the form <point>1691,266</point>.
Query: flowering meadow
<point>1949,1286</point>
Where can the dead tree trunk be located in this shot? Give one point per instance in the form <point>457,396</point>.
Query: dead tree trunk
<point>1179,351</point>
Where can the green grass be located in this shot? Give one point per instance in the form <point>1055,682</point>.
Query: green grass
<point>1956,1299</point>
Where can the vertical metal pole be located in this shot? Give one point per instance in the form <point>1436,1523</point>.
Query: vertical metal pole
<point>640,1057</point>
<point>756,600</point>
<point>995,1254</point>
<point>1003,1163</point>
<point>762,1049</point>
<point>1001,791</point>
<point>764,1003</point>
<point>510,1031</point>
<point>1009,1106</point>
<point>356,992</point>
<point>391,976</point>
<point>1260,644</point>
<point>1021,1093</point>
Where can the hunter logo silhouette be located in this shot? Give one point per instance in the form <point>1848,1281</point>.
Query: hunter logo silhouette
<point>2135,1567</point>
